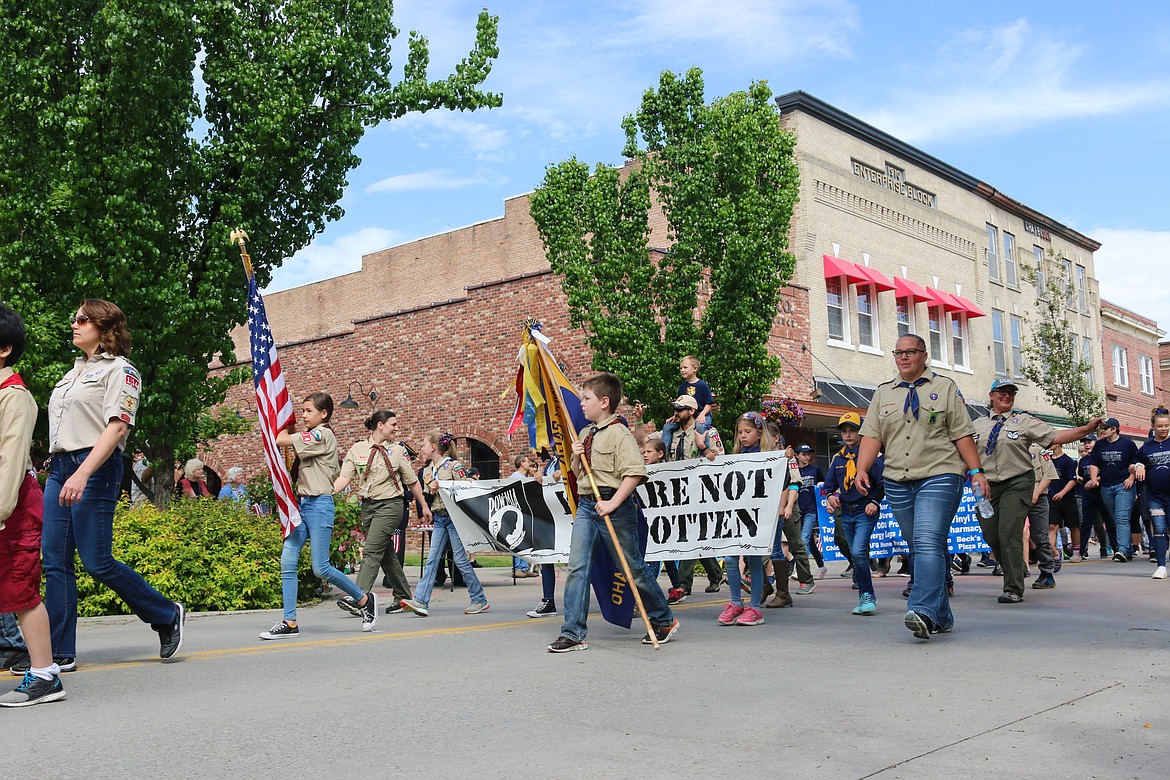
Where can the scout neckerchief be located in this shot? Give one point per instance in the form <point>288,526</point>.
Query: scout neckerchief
<point>911,404</point>
<point>594,430</point>
<point>13,381</point>
<point>993,437</point>
<point>850,466</point>
<point>377,448</point>
<point>436,469</point>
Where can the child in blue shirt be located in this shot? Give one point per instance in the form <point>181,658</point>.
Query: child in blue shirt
<point>696,388</point>
<point>859,512</point>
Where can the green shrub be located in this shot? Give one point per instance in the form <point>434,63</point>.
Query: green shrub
<point>210,555</point>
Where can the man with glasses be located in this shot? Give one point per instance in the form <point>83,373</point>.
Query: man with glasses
<point>1005,437</point>
<point>920,421</point>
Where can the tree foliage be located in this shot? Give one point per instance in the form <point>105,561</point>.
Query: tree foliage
<point>1051,358</point>
<point>724,176</point>
<point>134,135</point>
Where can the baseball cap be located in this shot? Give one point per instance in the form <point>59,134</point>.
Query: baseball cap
<point>850,418</point>
<point>686,402</point>
<point>1002,383</point>
<point>1089,437</point>
<point>804,448</point>
<point>1111,423</point>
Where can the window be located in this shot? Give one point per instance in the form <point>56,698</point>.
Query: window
<point>1087,358</point>
<point>905,316</point>
<point>1120,369</point>
<point>867,316</point>
<point>938,349</point>
<point>837,313</point>
<point>997,342</point>
<point>1082,293</point>
<point>1146,370</point>
<point>1016,333</point>
<point>1009,259</point>
<point>1041,279</point>
<point>992,252</point>
<point>959,340</point>
<point>1070,294</point>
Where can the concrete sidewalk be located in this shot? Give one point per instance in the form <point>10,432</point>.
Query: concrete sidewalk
<point>1071,683</point>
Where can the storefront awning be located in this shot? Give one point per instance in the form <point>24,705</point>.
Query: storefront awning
<point>945,300</point>
<point>875,277</point>
<point>835,267</point>
<point>905,288</point>
<point>969,307</point>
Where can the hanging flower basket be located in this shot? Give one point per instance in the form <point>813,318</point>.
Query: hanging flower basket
<point>785,412</point>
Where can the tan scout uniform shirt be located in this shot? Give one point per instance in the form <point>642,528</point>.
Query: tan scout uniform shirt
<point>317,450</point>
<point>18,417</point>
<point>378,482</point>
<point>447,469</point>
<point>104,388</point>
<point>1011,458</point>
<point>917,449</point>
<point>614,455</point>
<point>1042,464</point>
<point>691,439</point>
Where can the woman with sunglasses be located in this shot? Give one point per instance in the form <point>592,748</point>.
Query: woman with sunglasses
<point>91,412</point>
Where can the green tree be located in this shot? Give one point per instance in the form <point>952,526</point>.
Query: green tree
<point>134,135</point>
<point>1052,361</point>
<point>725,178</point>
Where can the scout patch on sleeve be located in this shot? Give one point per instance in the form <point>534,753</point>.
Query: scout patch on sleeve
<point>132,378</point>
<point>126,418</point>
<point>129,402</point>
<point>459,472</point>
<point>307,437</point>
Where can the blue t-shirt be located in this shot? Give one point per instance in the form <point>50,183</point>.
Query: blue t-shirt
<point>1113,458</point>
<point>810,477</point>
<point>1156,457</point>
<point>701,393</point>
<point>1066,469</point>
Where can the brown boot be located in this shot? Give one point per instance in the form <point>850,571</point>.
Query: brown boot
<point>782,597</point>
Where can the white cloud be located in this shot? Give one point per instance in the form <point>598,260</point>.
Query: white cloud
<point>320,261</point>
<point>985,82</point>
<point>444,179</point>
<point>1132,266</point>
<point>484,140</point>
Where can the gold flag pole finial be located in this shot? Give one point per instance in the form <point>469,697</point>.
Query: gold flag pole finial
<point>239,237</point>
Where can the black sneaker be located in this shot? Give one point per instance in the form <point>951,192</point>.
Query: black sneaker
<point>170,637</point>
<point>370,612</point>
<point>350,605</point>
<point>545,608</point>
<point>281,630</point>
<point>848,572</point>
<point>394,609</point>
<point>712,588</point>
<point>985,562</point>
<point>920,624</point>
<point>1044,582</point>
<point>21,663</point>
<point>997,571</point>
<point>33,690</point>
<point>562,644</point>
<point>1011,598</point>
<point>662,633</point>
<point>8,658</point>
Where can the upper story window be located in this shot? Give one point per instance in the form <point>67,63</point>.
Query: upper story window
<point>1146,371</point>
<point>1009,259</point>
<point>867,315</point>
<point>1120,367</point>
<point>938,345</point>
<point>1082,292</point>
<point>905,316</point>
<point>992,252</point>
<point>1016,332</point>
<point>838,319</point>
<point>959,339</point>
<point>998,343</point>
<point>1041,278</point>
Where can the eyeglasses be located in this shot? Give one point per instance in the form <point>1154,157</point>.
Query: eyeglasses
<point>907,352</point>
<point>80,319</point>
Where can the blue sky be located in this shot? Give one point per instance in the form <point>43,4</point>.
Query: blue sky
<point>1064,106</point>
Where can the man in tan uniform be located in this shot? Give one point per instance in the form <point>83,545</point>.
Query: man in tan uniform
<point>1005,437</point>
<point>921,423</point>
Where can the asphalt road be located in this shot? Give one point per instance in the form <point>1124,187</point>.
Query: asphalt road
<point>1071,683</point>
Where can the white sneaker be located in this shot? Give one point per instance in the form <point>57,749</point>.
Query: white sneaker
<point>1159,573</point>
<point>821,572</point>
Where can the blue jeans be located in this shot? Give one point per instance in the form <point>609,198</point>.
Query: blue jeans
<point>445,529</point>
<point>10,636</point>
<point>807,526</point>
<point>1158,508</point>
<point>924,508</point>
<point>755,566</point>
<point>857,528</point>
<point>589,529</point>
<point>1119,501</point>
<point>316,528</point>
<point>92,538</point>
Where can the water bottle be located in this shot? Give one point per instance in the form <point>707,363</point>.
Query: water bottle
<point>982,504</point>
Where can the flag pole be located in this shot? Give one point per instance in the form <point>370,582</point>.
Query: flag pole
<point>559,400</point>
<point>238,236</point>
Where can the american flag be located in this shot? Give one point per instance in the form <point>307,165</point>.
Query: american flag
<point>272,405</point>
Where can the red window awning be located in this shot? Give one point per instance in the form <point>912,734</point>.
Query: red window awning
<point>947,301</point>
<point>875,277</point>
<point>969,307</point>
<point>835,267</point>
<point>904,288</point>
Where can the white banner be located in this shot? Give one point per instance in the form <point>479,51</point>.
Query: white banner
<point>694,509</point>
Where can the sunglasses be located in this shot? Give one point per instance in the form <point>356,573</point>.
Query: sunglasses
<point>80,319</point>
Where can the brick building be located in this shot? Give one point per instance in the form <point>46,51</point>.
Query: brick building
<point>1133,373</point>
<point>887,240</point>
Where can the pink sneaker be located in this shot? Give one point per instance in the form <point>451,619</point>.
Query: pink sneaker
<point>750,617</point>
<point>728,616</point>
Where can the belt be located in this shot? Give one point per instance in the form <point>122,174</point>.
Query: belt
<point>606,493</point>
<point>855,505</point>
